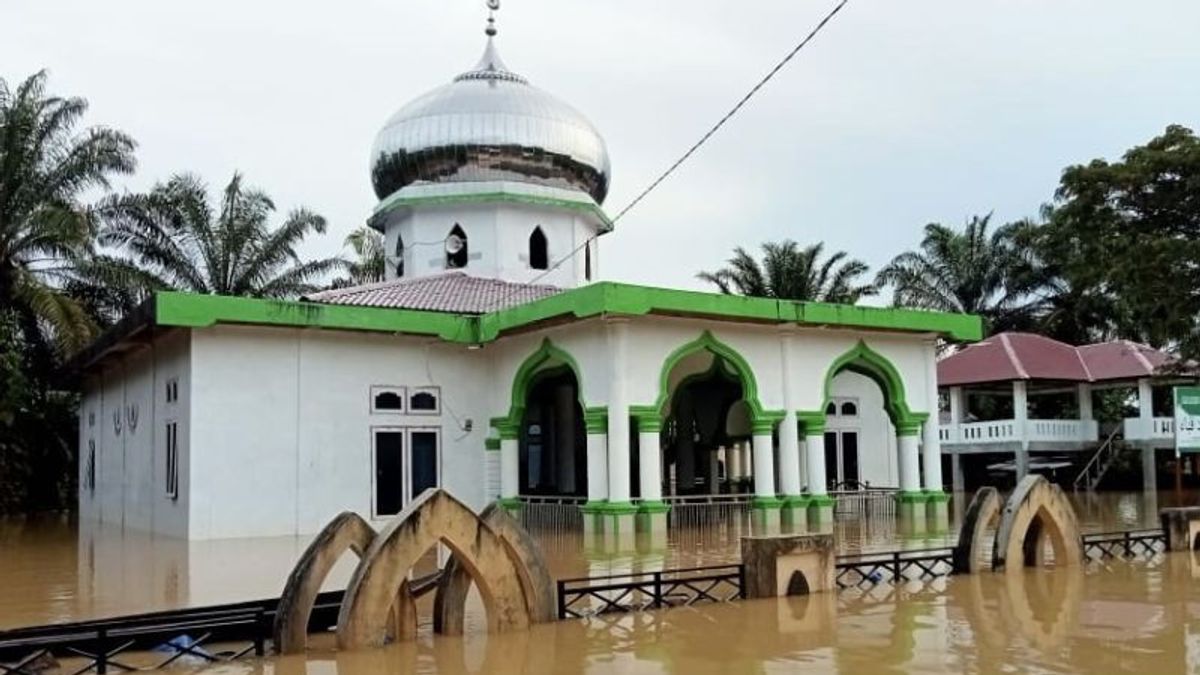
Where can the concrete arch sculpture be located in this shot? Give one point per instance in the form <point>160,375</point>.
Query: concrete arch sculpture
<point>1035,512</point>
<point>346,532</point>
<point>538,588</point>
<point>433,517</point>
<point>982,513</point>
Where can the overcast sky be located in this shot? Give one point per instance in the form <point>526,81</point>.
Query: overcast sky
<point>899,114</point>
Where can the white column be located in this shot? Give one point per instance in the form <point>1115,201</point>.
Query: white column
<point>1021,417</point>
<point>906,447</point>
<point>931,443</point>
<point>1145,402</point>
<point>1084,392</point>
<point>650,460</point>
<point>789,431</point>
<point>814,445</point>
<point>803,464</point>
<point>510,470</point>
<point>764,461</point>
<point>597,455</point>
<point>618,413</point>
<point>733,466</point>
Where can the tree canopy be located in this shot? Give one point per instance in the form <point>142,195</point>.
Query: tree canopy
<point>789,272</point>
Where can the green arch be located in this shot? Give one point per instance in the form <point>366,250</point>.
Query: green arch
<point>865,361</point>
<point>743,372</point>
<point>524,380</point>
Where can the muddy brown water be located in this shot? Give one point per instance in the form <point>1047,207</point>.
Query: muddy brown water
<point>1122,617</point>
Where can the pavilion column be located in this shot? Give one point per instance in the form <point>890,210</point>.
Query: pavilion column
<point>764,463</point>
<point>1084,394</point>
<point>930,440</point>
<point>510,469</point>
<point>1145,402</point>
<point>907,442</point>
<point>789,430</point>
<point>1020,397</point>
<point>619,506</point>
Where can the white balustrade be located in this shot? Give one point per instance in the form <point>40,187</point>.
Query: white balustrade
<point>1154,428</point>
<point>1008,431</point>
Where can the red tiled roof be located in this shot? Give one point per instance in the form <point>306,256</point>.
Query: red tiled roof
<point>1025,356</point>
<point>453,292</point>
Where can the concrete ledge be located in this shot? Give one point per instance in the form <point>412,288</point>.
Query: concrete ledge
<point>788,564</point>
<point>608,508</point>
<point>1180,526</point>
<point>821,500</point>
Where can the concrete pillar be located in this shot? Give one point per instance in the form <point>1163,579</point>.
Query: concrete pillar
<point>804,464</point>
<point>958,480</point>
<point>814,444</point>
<point>908,459</point>
<point>1145,402</point>
<point>733,467</point>
<point>957,405</point>
<point>652,512</point>
<point>1084,394</point>
<point>764,462</point>
<point>510,469</point>
<point>596,424</point>
<point>564,436</point>
<point>619,510</point>
<point>1021,419</point>
<point>789,430</point>
<point>1149,470</point>
<point>931,443</point>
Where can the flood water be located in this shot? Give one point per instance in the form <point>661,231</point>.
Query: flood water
<point>1121,617</point>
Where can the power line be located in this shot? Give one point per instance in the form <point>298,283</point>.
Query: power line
<point>696,146</point>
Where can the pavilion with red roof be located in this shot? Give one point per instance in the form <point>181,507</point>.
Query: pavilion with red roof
<point>994,385</point>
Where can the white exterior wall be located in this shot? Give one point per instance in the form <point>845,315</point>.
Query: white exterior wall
<point>876,434</point>
<point>286,413</point>
<point>497,241</point>
<point>130,471</point>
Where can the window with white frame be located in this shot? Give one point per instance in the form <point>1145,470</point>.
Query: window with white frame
<point>425,401</point>
<point>387,399</point>
<point>172,390</point>
<point>172,460</point>
<point>407,461</point>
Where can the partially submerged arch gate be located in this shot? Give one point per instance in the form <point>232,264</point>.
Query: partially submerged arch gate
<point>493,552</point>
<point>1037,512</point>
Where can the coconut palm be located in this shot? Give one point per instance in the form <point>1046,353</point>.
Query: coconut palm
<point>973,271</point>
<point>369,261</point>
<point>46,169</point>
<point>788,272</point>
<point>173,237</point>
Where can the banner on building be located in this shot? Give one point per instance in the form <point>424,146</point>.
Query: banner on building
<point>1187,419</point>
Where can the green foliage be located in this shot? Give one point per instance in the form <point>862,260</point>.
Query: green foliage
<point>788,272</point>
<point>972,271</point>
<point>46,166</point>
<point>173,237</point>
<point>1126,236</point>
<point>369,261</point>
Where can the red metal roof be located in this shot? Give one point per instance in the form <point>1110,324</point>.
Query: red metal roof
<point>1025,356</point>
<point>455,292</point>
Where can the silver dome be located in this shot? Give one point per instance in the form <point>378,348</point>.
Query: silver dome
<point>489,124</point>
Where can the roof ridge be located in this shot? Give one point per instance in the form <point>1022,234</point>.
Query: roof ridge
<point>1012,356</point>
<point>1137,353</point>
<point>1083,362</point>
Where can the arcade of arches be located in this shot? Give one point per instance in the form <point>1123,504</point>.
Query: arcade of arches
<point>709,434</point>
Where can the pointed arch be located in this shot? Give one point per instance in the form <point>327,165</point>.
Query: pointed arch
<point>458,259</point>
<point>742,370</point>
<point>433,517</point>
<point>546,355</point>
<point>1037,510</point>
<point>863,360</point>
<point>539,253</point>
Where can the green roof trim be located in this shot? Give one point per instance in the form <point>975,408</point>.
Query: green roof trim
<point>395,201</point>
<point>604,298</point>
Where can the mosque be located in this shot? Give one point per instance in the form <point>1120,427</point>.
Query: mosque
<point>491,362</point>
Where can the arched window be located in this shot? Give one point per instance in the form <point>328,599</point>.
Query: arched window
<point>831,409</point>
<point>539,258</point>
<point>849,409</point>
<point>388,400</point>
<point>456,248</point>
<point>399,255</point>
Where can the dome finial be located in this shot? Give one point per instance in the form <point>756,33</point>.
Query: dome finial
<point>492,6</point>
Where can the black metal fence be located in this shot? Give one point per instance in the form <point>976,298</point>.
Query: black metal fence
<point>1131,544</point>
<point>893,567</point>
<point>634,592</point>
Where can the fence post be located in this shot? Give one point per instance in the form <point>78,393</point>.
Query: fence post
<point>260,628</point>
<point>101,651</point>
<point>658,591</point>
<point>562,600</point>
<point>1128,547</point>
<point>896,578</point>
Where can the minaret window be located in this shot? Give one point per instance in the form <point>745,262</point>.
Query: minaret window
<point>539,259</point>
<point>399,255</point>
<point>587,261</point>
<point>456,248</point>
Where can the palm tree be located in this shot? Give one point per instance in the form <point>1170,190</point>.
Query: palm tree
<point>46,168</point>
<point>369,261</point>
<point>973,271</point>
<point>788,272</point>
<point>173,238</point>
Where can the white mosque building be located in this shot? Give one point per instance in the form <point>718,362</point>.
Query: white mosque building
<point>492,364</point>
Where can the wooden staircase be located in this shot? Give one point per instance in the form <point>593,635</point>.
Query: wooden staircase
<point>1105,456</point>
